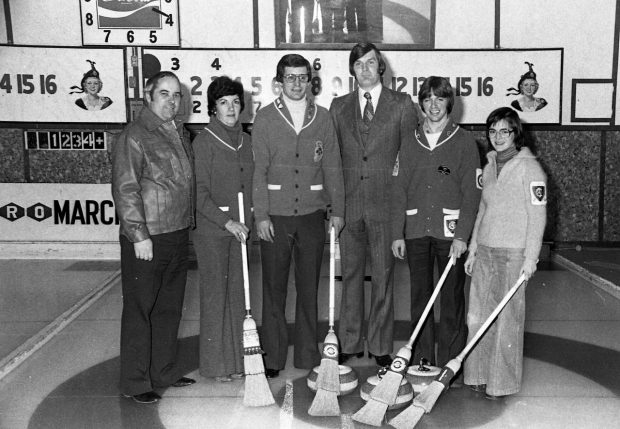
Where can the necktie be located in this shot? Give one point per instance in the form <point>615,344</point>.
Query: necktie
<point>369,111</point>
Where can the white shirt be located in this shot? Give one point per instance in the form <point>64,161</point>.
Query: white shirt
<point>375,93</point>
<point>297,109</point>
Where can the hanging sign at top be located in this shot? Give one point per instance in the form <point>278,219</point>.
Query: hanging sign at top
<point>130,22</point>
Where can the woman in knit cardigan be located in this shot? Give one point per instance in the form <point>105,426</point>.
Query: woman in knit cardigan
<point>224,167</point>
<point>505,243</point>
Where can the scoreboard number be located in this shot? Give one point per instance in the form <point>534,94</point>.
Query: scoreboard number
<point>130,23</point>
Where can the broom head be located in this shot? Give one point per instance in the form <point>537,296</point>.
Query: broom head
<point>257,392</point>
<point>325,402</point>
<point>384,394</point>
<point>408,418</point>
<point>429,396</point>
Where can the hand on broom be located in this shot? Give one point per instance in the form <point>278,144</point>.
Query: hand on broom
<point>238,229</point>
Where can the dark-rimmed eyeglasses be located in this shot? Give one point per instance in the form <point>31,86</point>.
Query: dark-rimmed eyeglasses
<point>504,132</point>
<point>291,78</point>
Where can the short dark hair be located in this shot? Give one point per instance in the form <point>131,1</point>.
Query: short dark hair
<point>221,87</point>
<point>514,123</point>
<point>153,82</point>
<point>292,60</point>
<point>440,86</point>
<point>362,49</point>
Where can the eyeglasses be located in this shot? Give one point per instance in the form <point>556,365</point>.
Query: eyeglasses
<point>291,78</point>
<point>502,133</point>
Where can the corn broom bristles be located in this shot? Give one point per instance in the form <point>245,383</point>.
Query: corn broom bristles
<point>385,392</point>
<point>325,402</point>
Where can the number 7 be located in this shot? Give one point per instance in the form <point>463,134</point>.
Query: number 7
<point>107,34</point>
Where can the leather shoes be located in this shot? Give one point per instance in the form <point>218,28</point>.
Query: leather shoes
<point>343,357</point>
<point>271,373</point>
<point>144,398</point>
<point>383,360</point>
<point>183,382</point>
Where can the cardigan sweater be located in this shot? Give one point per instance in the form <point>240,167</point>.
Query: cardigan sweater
<point>512,212</point>
<point>436,192</point>
<point>222,171</point>
<point>296,174</point>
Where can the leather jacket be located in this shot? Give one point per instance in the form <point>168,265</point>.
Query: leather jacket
<point>153,182</point>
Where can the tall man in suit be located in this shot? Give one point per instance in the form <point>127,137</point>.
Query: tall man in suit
<point>371,123</point>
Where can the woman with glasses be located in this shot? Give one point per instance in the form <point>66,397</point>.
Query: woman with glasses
<point>224,167</point>
<point>527,87</point>
<point>505,243</point>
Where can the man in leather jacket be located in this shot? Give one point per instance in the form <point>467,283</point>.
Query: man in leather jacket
<point>153,187</point>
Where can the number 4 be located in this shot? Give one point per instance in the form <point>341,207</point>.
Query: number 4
<point>216,64</point>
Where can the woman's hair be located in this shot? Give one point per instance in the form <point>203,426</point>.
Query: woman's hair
<point>362,49</point>
<point>530,74</point>
<point>440,86</point>
<point>292,60</point>
<point>221,87</point>
<point>514,123</point>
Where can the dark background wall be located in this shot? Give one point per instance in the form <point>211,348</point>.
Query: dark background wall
<point>583,169</point>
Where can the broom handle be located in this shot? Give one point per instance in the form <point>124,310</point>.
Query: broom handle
<point>491,318</point>
<point>431,301</point>
<point>332,274</point>
<point>244,257</point>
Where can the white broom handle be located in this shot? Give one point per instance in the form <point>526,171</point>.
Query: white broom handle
<point>332,273</point>
<point>431,301</point>
<point>491,318</point>
<point>244,255</point>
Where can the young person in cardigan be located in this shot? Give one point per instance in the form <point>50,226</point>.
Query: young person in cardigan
<point>224,167</point>
<point>434,203</point>
<point>297,174</point>
<point>505,243</point>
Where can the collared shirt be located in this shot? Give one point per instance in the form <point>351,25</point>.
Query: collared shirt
<point>375,93</point>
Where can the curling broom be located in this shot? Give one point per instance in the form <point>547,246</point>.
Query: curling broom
<point>325,402</point>
<point>385,392</point>
<point>257,392</point>
<point>424,402</point>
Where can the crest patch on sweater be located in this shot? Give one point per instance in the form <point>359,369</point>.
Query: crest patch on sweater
<point>538,193</point>
<point>479,178</point>
<point>450,219</point>
<point>318,151</point>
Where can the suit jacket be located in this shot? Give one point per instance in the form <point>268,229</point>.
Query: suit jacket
<point>368,167</point>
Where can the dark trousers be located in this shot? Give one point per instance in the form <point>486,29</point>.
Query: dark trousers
<point>153,294</point>
<point>354,239</point>
<point>451,338</point>
<point>303,238</point>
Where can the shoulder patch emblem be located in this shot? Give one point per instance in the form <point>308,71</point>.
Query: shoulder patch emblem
<point>318,151</point>
<point>538,193</point>
<point>479,178</point>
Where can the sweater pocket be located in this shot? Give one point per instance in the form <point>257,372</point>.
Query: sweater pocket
<point>450,219</point>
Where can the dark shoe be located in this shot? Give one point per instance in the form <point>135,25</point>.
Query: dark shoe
<point>494,397</point>
<point>145,398</point>
<point>343,357</point>
<point>271,373</point>
<point>183,382</point>
<point>480,388</point>
<point>383,360</point>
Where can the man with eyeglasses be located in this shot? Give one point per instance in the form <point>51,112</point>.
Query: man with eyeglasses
<point>154,193</point>
<point>297,175</point>
<point>373,123</point>
<point>434,205</point>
